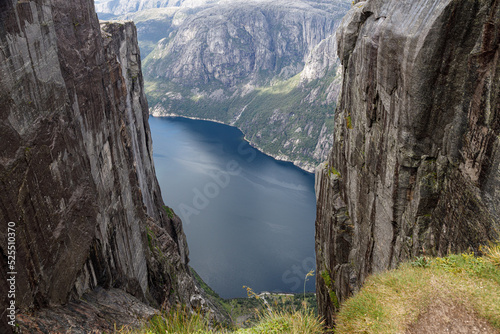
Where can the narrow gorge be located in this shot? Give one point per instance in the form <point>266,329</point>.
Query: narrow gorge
<point>412,148</point>
<point>415,164</point>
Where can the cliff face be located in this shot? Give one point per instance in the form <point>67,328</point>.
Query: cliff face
<point>415,164</point>
<point>267,67</point>
<point>76,169</point>
<point>261,37</point>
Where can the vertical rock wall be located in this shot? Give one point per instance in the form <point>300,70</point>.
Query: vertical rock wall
<point>76,169</point>
<point>415,164</point>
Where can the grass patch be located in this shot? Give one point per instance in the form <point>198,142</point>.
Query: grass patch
<point>269,313</point>
<point>492,254</point>
<point>181,321</point>
<point>296,322</point>
<point>390,301</point>
<point>178,321</point>
<point>168,211</point>
<point>348,121</point>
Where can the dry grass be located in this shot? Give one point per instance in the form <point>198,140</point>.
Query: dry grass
<point>269,321</point>
<point>292,322</point>
<point>492,254</point>
<point>390,302</point>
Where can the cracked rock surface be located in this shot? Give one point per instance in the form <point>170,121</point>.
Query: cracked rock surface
<point>76,168</point>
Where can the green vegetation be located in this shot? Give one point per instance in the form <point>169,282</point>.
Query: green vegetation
<point>208,290</point>
<point>270,316</point>
<point>280,116</point>
<point>331,289</point>
<point>246,311</point>
<point>259,313</point>
<point>169,211</point>
<point>150,238</point>
<point>181,321</point>
<point>332,171</point>
<point>390,301</point>
<point>492,254</point>
<point>297,322</point>
<point>348,121</point>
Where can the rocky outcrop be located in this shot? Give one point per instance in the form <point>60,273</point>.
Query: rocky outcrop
<point>95,312</point>
<point>415,165</point>
<point>76,170</point>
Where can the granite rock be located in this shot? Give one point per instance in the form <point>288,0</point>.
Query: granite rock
<point>415,162</point>
<point>76,168</point>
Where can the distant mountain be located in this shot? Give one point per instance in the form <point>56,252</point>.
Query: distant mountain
<point>267,67</point>
<point>120,7</point>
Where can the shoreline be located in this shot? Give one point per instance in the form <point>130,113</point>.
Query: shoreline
<point>295,163</point>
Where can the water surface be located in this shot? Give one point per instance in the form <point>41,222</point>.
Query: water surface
<point>248,218</point>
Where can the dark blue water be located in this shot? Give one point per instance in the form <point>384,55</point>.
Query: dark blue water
<point>248,218</point>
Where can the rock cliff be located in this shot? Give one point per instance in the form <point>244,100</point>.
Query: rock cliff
<point>76,169</point>
<point>259,37</point>
<point>266,67</point>
<point>415,164</point>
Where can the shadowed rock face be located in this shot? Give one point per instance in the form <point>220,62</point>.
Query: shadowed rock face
<point>415,165</point>
<point>76,169</point>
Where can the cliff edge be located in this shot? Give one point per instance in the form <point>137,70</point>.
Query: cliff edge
<point>415,164</point>
<point>78,186</point>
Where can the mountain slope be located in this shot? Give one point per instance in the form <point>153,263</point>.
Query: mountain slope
<point>120,7</point>
<point>260,66</point>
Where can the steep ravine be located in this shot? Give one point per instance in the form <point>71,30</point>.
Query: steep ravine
<point>77,176</point>
<point>415,164</point>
